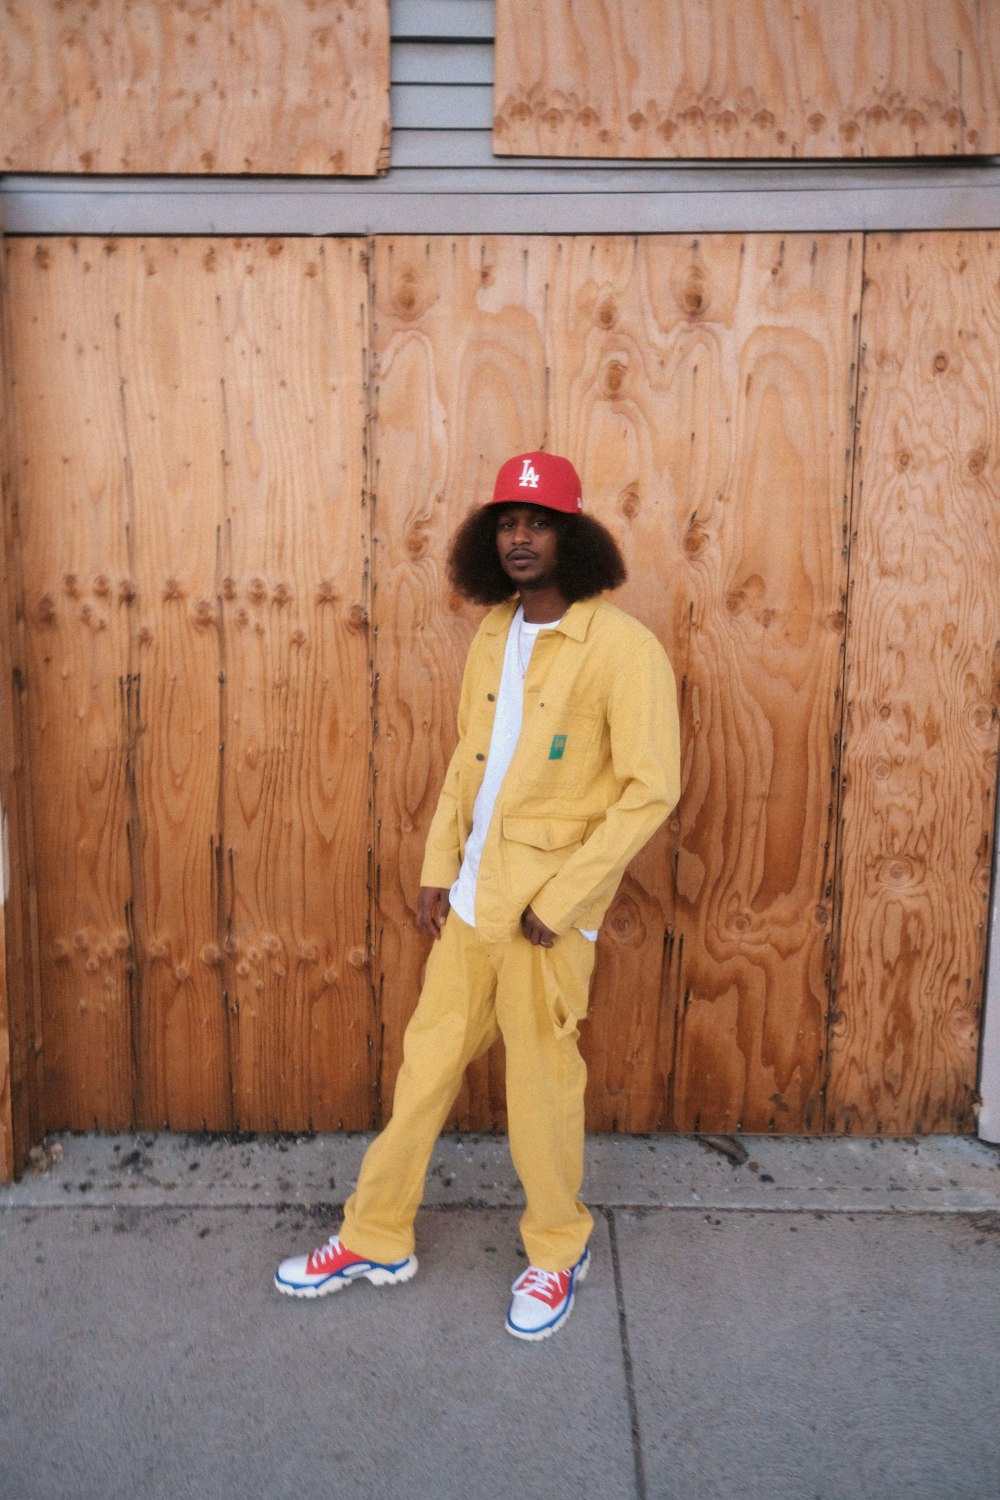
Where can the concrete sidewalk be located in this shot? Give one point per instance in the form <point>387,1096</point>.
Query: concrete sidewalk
<point>765,1319</point>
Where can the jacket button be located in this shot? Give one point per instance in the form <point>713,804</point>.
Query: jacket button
<point>480,757</point>
<point>491,698</point>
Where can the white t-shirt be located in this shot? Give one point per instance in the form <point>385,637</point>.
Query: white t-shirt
<point>521,638</point>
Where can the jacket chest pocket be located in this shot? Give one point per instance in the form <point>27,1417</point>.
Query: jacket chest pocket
<point>561,751</point>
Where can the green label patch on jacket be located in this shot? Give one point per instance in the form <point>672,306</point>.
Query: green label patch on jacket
<point>557,747</point>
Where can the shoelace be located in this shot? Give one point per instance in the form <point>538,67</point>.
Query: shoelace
<point>329,1251</point>
<point>541,1284</point>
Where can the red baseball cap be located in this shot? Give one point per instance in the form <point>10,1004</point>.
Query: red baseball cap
<point>539,479</point>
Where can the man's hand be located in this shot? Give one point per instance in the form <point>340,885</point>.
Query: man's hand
<point>433,905</point>
<point>535,930</point>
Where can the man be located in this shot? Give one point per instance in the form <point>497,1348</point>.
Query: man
<point>567,761</point>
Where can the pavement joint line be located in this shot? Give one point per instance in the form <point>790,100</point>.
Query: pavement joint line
<point>633,1404</point>
<point>303,1205</point>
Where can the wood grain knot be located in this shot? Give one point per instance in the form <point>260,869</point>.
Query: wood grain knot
<point>60,950</point>
<point>727,121</point>
<point>624,922</point>
<point>763,119</point>
<point>693,296</point>
<point>741,922</point>
<point>821,916</point>
<point>211,955</point>
<point>815,122</point>
<point>204,614</point>
<point>325,592</point>
<point>308,953</point>
<point>282,595</point>
<point>613,379</point>
<point>696,540</point>
<point>357,617</point>
<point>940,361</point>
<point>882,770</point>
<point>588,118</point>
<point>897,872</point>
<point>229,588</point>
<point>126,591</point>
<point>157,948</point>
<point>416,542</point>
<point>330,977</point>
<point>629,503</point>
<point>977,461</point>
<point>552,117</point>
<point>903,459</point>
<point>356,958</point>
<point>71,586</point>
<point>607,313</point>
<point>45,610</point>
<point>182,974</point>
<point>405,297</point>
<point>299,636</point>
<point>172,590</point>
<point>257,591</point>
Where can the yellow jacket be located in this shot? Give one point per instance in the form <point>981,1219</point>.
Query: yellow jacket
<point>595,772</point>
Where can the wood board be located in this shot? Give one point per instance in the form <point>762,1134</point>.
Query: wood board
<point>727,79</point>
<point>230,86</point>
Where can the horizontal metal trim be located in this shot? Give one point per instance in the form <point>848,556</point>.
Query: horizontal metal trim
<point>351,209</point>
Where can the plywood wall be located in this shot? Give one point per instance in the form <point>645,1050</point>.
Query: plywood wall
<point>236,467</point>
<point>188,445</point>
<point>232,86</point>
<point>747,78</point>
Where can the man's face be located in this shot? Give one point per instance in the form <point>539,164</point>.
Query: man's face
<point>527,545</point>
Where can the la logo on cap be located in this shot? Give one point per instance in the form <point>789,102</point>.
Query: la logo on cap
<point>529,476</point>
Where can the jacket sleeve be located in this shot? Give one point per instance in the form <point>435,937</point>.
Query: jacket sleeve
<point>645,754</point>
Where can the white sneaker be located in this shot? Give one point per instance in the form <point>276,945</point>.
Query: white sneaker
<point>543,1300</point>
<point>333,1266</point>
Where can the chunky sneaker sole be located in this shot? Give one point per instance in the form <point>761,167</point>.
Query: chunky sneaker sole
<point>531,1300</point>
<point>295,1280</point>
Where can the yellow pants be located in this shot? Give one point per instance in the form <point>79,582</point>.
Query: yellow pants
<point>474,992</point>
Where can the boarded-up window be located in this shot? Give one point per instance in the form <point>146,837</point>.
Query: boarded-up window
<point>747,78</point>
<point>231,86</point>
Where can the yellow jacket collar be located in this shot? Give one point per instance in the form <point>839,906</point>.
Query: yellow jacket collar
<point>574,623</point>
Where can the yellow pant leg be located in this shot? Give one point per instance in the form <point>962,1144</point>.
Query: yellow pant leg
<point>454,1022</point>
<point>542,993</point>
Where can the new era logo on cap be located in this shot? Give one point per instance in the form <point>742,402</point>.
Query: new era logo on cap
<point>539,479</point>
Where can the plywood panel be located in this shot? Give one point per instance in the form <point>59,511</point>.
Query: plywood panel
<point>21,1117</point>
<point>189,473</point>
<point>460,343</point>
<point>297,718</point>
<point>227,86</point>
<point>167,338</point>
<point>747,78</point>
<point>705,391</point>
<point>706,388</point>
<point>921,731</point>
<point>70,488</point>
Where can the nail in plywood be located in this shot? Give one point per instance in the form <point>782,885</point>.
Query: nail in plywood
<point>923,688</point>
<point>236,86</point>
<point>747,78</point>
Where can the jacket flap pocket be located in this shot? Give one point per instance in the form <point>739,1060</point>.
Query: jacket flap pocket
<point>545,833</point>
